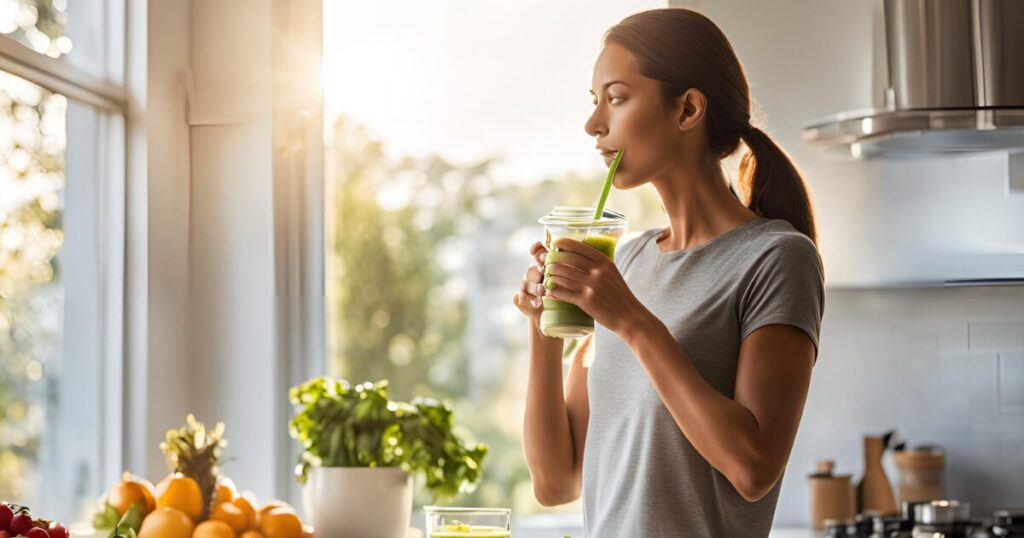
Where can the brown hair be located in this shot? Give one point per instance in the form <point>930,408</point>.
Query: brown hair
<point>683,49</point>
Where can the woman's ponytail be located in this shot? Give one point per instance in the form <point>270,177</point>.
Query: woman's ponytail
<point>773,185</point>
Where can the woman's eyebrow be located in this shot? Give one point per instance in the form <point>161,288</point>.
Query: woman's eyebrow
<point>606,84</point>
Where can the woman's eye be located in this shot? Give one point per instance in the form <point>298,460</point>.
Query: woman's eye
<point>613,100</point>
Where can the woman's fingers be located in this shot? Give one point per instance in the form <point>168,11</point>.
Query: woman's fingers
<point>538,251</point>
<point>583,249</point>
<point>526,302</point>
<point>561,286</point>
<point>571,259</point>
<point>565,270</point>
<point>531,284</point>
<point>534,274</point>
<point>531,289</point>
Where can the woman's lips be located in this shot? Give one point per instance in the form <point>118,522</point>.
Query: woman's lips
<point>608,157</point>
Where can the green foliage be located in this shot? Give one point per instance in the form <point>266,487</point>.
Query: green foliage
<point>391,315</point>
<point>45,23</point>
<point>343,426</point>
<point>31,178</point>
<point>106,517</point>
<point>129,524</point>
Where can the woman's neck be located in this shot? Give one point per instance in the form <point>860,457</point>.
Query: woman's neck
<point>699,204</point>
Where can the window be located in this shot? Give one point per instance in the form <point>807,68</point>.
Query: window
<point>61,218</point>
<point>449,133</point>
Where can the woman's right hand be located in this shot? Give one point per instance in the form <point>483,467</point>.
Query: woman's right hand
<point>531,290</point>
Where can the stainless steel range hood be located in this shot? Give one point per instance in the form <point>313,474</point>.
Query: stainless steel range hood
<point>955,83</point>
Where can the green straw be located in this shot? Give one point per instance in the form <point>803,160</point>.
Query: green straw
<point>608,185</point>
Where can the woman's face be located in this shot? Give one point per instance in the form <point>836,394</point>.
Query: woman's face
<point>631,114</point>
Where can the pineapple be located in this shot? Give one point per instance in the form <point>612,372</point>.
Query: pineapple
<point>195,451</point>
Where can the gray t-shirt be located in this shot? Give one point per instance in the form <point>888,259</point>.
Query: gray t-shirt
<point>641,476</point>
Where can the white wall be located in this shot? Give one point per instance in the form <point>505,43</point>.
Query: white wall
<point>231,268</point>
<point>881,222</point>
<point>231,295</point>
<point>203,307</point>
<point>156,377</point>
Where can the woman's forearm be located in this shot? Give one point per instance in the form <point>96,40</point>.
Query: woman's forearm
<point>725,432</point>
<point>547,435</point>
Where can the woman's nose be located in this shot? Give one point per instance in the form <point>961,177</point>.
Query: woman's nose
<point>595,127</point>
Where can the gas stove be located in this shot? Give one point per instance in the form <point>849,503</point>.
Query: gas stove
<point>932,519</point>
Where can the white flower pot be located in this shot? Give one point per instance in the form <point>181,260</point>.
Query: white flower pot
<point>358,502</point>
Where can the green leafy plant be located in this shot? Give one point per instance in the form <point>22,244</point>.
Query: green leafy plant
<point>129,524</point>
<point>344,426</point>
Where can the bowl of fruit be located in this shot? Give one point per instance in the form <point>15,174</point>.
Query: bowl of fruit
<point>194,501</point>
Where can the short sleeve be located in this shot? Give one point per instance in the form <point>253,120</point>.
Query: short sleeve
<point>786,286</point>
<point>628,247</point>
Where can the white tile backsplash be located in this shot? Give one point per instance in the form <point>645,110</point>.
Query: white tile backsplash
<point>1010,381</point>
<point>995,336</point>
<point>942,366</point>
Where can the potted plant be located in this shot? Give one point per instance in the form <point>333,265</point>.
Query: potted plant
<point>361,450</point>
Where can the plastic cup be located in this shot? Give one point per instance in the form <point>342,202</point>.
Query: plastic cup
<point>454,522</point>
<point>561,319</point>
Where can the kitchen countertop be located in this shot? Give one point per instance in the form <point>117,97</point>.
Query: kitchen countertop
<point>795,532</point>
<point>83,531</point>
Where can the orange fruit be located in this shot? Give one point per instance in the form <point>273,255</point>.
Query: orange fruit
<point>275,503</point>
<point>232,515</point>
<point>166,523</point>
<point>245,505</point>
<point>281,522</point>
<point>150,491</point>
<point>251,534</point>
<point>227,481</point>
<point>224,494</point>
<point>251,497</point>
<point>213,529</point>
<point>181,492</point>
<point>271,505</point>
<point>128,492</point>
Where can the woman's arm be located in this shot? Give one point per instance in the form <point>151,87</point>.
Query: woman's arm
<point>555,425</point>
<point>748,438</point>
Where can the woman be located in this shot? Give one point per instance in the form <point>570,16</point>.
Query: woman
<point>706,330</point>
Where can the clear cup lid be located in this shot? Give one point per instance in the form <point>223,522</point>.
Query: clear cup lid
<point>465,510</point>
<point>576,216</point>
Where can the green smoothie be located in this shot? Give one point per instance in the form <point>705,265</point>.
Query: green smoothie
<point>462,530</point>
<point>566,320</point>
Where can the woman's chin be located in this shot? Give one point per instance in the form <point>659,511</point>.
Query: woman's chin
<point>623,183</point>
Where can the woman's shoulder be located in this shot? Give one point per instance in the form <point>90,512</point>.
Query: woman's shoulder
<point>631,242</point>
<point>780,237</point>
<point>636,239</point>
<point>639,236</point>
<point>777,244</point>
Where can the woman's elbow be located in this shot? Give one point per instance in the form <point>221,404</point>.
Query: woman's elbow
<point>548,495</point>
<point>753,485</point>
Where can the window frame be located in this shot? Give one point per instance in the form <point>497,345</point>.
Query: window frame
<point>61,77</point>
<point>109,207</point>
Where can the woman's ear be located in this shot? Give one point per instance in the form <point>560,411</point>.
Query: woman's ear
<point>691,107</point>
